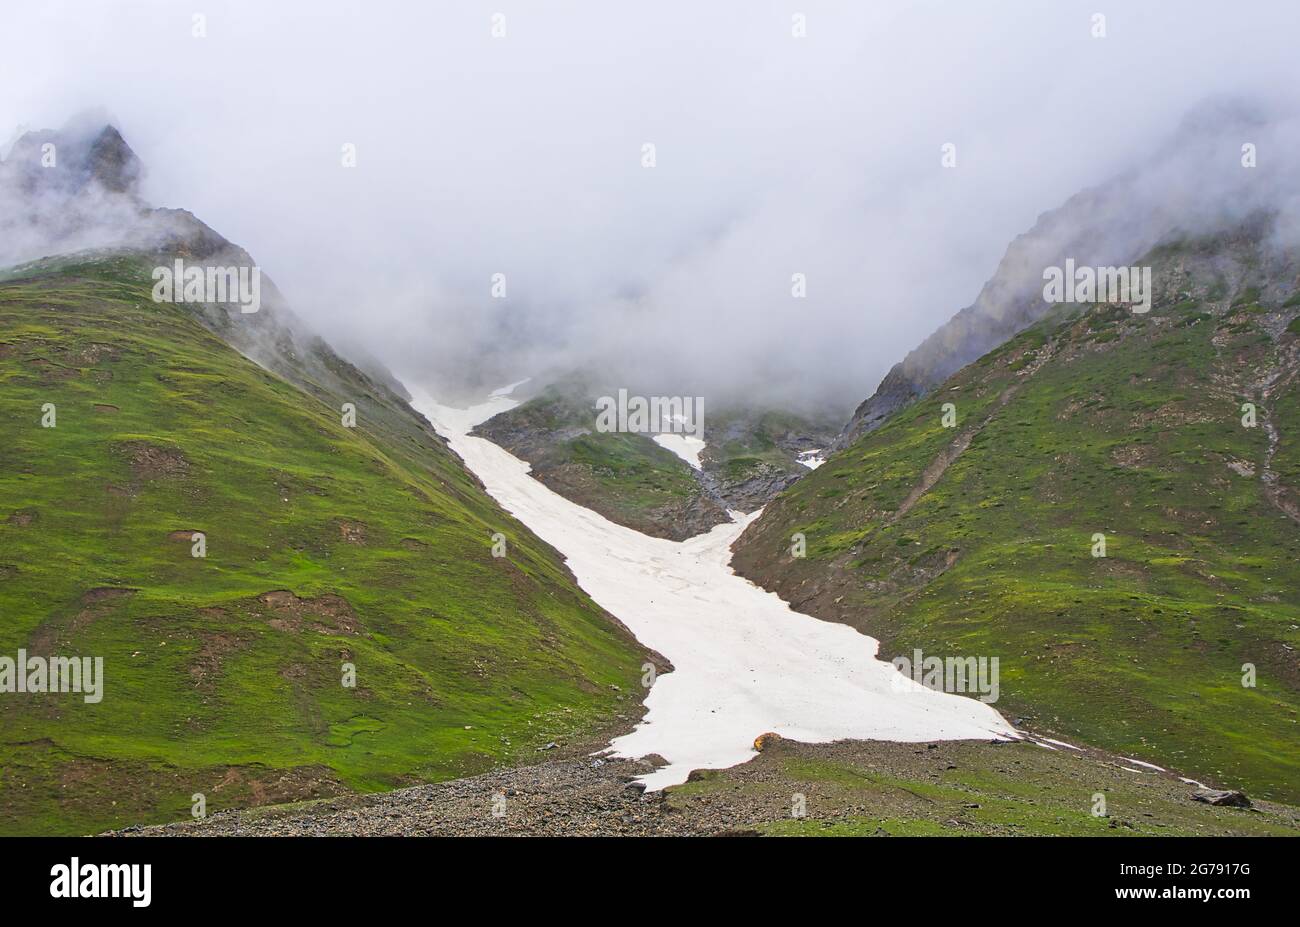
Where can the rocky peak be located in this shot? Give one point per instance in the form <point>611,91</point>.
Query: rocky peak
<point>78,161</point>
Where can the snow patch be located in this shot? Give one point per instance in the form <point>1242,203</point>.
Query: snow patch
<point>687,447</point>
<point>1129,759</point>
<point>811,459</point>
<point>1060,743</point>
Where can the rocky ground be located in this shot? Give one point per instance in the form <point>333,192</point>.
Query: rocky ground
<point>846,788</point>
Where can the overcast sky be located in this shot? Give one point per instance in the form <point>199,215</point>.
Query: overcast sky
<point>522,155</point>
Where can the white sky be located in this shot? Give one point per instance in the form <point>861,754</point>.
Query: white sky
<point>521,155</point>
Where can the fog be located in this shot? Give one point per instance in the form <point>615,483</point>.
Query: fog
<point>522,155</point>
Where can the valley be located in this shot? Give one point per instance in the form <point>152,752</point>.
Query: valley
<point>326,601</point>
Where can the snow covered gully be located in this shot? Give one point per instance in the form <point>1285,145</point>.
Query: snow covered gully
<point>745,663</point>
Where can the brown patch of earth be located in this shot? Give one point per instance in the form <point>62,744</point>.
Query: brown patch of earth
<point>324,614</point>
<point>1132,456</point>
<point>210,658</point>
<point>149,461</point>
<point>1170,415</point>
<point>93,353</point>
<point>354,532</point>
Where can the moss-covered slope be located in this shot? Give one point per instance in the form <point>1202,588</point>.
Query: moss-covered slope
<point>325,545</point>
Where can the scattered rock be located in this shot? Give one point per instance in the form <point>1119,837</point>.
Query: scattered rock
<point>1241,467</point>
<point>1228,798</point>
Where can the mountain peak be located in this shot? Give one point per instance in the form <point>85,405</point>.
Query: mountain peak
<point>73,159</point>
<point>111,162</point>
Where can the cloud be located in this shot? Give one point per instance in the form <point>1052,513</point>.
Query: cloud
<point>522,156</point>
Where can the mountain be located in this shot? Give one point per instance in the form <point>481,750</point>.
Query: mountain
<point>980,539</point>
<point>329,549</point>
<point>1194,181</point>
<point>748,456</point>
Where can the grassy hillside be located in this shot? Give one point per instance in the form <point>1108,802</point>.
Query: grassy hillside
<point>965,788</point>
<point>626,477</point>
<point>325,545</point>
<point>977,540</point>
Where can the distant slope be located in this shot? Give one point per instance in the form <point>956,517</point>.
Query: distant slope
<point>750,456</point>
<point>977,540</point>
<point>325,545</point>
<point>626,477</point>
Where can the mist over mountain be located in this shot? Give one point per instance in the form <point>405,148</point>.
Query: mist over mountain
<point>522,155</point>
<point>1195,185</point>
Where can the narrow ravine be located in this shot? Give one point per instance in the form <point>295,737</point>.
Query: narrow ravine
<point>745,663</point>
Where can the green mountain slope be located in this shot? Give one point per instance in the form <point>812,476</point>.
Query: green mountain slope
<point>978,540</point>
<point>325,545</point>
<point>750,456</point>
<point>626,477</point>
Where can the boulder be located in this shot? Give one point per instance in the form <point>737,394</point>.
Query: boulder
<point>764,741</point>
<point>1224,797</point>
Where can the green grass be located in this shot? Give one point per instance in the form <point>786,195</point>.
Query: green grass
<point>1127,431</point>
<point>982,798</point>
<point>958,788</point>
<point>626,477</point>
<point>463,660</point>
